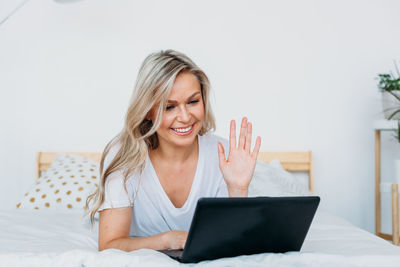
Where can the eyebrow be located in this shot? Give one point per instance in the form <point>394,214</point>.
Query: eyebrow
<point>174,101</point>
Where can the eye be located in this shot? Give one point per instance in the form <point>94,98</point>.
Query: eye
<point>169,107</point>
<point>193,101</point>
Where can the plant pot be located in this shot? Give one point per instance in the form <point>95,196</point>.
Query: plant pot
<point>390,104</point>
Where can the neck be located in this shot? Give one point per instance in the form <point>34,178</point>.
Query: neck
<point>175,154</point>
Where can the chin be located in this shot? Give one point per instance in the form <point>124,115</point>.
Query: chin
<point>184,140</point>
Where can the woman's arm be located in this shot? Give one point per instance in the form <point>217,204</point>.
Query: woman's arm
<point>238,169</point>
<point>114,226</point>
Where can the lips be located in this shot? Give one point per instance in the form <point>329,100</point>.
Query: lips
<point>183,130</point>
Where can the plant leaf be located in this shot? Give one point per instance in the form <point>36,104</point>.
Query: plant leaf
<point>396,96</point>
<point>398,131</point>
<point>394,113</point>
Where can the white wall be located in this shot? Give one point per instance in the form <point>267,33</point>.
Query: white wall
<point>302,71</point>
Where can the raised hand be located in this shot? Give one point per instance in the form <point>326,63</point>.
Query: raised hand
<point>238,169</point>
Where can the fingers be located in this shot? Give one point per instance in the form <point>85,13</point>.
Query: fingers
<point>243,132</point>
<point>256,148</point>
<point>245,136</point>
<point>177,239</point>
<point>185,235</point>
<point>232,136</point>
<point>221,154</point>
<point>248,137</point>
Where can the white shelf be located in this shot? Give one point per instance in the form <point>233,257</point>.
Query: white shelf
<point>385,125</point>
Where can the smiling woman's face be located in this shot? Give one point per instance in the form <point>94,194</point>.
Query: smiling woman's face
<point>184,114</point>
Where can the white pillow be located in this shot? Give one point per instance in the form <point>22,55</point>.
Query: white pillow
<point>270,179</point>
<point>65,185</point>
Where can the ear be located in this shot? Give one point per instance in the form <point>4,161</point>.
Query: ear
<point>149,115</point>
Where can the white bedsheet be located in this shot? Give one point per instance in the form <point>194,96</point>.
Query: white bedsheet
<point>48,238</point>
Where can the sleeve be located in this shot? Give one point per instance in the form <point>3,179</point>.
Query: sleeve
<point>116,195</point>
<point>222,190</point>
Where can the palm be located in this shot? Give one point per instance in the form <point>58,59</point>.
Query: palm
<point>238,169</point>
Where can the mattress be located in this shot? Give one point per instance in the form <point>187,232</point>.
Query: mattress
<point>50,238</point>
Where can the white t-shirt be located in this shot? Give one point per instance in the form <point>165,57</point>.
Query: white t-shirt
<point>153,212</point>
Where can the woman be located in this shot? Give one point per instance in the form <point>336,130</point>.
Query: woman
<point>165,159</point>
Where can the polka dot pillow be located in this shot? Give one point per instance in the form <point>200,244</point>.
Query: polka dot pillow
<point>65,185</point>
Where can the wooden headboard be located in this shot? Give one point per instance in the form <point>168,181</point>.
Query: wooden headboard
<point>291,161</point>
<point>44,159</point>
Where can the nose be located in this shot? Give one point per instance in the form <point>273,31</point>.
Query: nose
<point>184,115</point>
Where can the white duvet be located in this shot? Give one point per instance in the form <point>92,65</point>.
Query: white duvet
<point>49,238</point>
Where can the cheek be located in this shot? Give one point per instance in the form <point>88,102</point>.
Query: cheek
<point>166,121</point>
<point>200,111</point>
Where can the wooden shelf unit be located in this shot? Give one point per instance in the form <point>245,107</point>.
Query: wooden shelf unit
<point>379,126</point>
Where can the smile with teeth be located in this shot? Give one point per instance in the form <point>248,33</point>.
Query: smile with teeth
<point>183,130</point>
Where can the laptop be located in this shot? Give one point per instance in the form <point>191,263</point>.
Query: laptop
<point>229,227</point>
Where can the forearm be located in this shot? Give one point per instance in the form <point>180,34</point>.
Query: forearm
<point>156,242</point>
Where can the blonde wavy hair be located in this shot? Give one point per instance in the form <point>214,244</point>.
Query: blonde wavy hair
<point>153,86</point>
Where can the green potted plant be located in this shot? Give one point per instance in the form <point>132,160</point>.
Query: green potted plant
<point>389,85</point>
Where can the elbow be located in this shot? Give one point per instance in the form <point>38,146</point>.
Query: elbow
<point>104,245</point>
<point>114,243</point>
<point>118,243</point>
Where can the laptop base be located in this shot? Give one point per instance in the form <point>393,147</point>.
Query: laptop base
<point>175,254</point>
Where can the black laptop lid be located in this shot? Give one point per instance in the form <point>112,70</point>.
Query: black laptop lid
<point>228,227</point>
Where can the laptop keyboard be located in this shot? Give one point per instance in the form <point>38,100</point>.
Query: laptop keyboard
<point>173,253</point>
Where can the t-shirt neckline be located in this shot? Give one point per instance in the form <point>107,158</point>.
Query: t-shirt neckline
<point>194,183</point>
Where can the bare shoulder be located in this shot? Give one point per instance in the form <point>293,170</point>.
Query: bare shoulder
<point>113,224</point>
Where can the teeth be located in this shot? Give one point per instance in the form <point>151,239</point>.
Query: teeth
<point>183,130</point>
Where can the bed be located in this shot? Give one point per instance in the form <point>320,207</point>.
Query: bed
<point>37,234</point>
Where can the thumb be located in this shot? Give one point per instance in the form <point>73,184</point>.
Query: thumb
<point>221,154</point>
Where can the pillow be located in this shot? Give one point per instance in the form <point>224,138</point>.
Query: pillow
<point>271,179</point>
<point>65,185</point>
